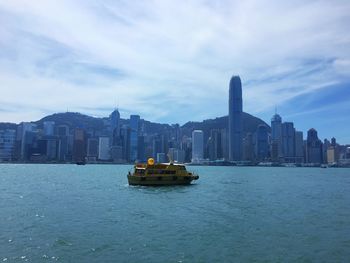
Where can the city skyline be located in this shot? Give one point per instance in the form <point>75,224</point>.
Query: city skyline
<point>90,57</point>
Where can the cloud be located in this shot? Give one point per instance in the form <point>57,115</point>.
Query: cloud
<point>167,61</point>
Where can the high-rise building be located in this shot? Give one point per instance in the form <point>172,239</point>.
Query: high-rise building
<point>51,151</point>
<point>248,147</point>
<point>161,158</point>
<point>7,144</point>
<point>235,119</point>
<point>262,143</point>
<point>215,145</point>
<point>141,149</point>
<point>276,137</point>
<point>79,150</point>
<point>92,148</point>
<point>313,147</point>
<point>49,128</point>
<point>197,146</point>
<point>288,141</point>
<point>62,130</point>
<point>103,149</point>
<point>114,119</point>
<point>125,137</point>
<point>299,147</point>
<point>25,136</point>
<point>134,136</point>
<point>179,156</point>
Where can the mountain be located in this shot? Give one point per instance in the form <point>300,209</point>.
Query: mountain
<point>78,120</point>
<point>73,120</point>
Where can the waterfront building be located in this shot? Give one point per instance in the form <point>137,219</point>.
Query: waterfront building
<point>325,146</point>
<point>79,150</point>
<point>248,147</point>
<point>331,151</point>
<point>215,145</point>
<point>116,153</point>
<point>125,138</point>
<point>179,156</point>
<point>331,155</point>
<point>114,122</point>
<point>25,137</point>
<point>197,146</point>
<point>103,149</point>
<point>171,154</point>
<point>276,137</point>
<point>92,148</point>
<point>141,157</point>
<point>299,147</point>
<point>288,141</point>
<point>51,151</point>
<point>161,158</point>
<point>313,147</point>
<point>225,144</point>
<point>49,128</point>
<point>235,119</point>
<point>63,149</point>
<point>262,143</point>
<point>7,144</point>
<point>134,133</point>
<point>156,146</point>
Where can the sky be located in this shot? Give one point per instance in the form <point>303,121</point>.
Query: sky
<point>171,61</point>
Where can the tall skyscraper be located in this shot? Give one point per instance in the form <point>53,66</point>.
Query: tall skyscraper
<point>197,146</point>
<point>7,144</point>
<point>288,141</point>
<point>313,147</point>
<point>262,144</point>
<point>79,150</point>
<point>276,136</point>
<point>235,119</point>
<point>134,134</point>
<point>299,148</point>
<point>103,149</point>
<point>114,119</point>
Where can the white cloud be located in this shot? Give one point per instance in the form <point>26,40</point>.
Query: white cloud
<point>181,53</point>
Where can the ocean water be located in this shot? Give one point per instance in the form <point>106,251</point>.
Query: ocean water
<point>71,213</point>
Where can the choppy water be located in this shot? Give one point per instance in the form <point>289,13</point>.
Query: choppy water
<point>72,213</point>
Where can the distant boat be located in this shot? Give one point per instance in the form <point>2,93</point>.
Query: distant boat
<point>80,163</point>
<point>156,174</point>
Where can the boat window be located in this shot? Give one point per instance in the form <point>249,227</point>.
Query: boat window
<point>140,171</point>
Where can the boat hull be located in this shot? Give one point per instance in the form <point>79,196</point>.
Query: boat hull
<point>160,180</point>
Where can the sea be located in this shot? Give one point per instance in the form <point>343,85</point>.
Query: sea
<point>71,213</point>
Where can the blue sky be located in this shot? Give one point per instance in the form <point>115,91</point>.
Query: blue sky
<point>171,62</point>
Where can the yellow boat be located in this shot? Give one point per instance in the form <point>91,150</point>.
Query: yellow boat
<point>154,174</point>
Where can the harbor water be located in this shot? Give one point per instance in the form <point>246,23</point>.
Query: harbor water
<point>71,213</point>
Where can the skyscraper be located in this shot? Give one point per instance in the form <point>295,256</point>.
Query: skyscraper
<point>197,146</point>
<point>235,119</point>
<point>288,141</point>
<point>262,144</point>
<point>313,147</point>
<point>276,136</point>
<point>134,126</point>
<point>114,119</point>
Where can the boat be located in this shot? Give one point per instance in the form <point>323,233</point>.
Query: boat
<point>157,174</point>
